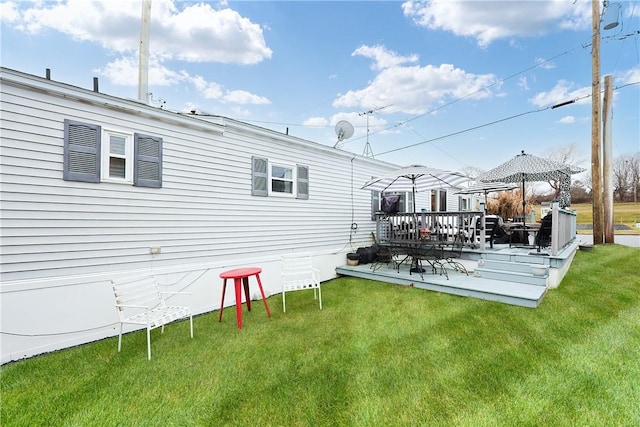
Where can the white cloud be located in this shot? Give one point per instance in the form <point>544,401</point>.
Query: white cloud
<point>413,89</point>
<point>124,71</point>
<point>382,57</point>
<point>244,97</point>
<point>316,121</point>
<point>487,21</point>
<point>197,33</point>
<point>523,83</point>
<point>629,76</point>
<point>208,90</point>
<point>545,64</point>
<point>632,12</point>
<point>9,12</point>
<point>567,120</point>
<point>563,91</point>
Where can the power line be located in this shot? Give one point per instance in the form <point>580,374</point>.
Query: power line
<point>499,121</point>
<point>465,130</point>
<point>484,88</point>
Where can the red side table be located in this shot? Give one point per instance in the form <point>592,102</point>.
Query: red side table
<point>242,275</point>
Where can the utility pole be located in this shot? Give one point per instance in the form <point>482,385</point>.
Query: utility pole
<point>606,160</point>
<point>595,124</point>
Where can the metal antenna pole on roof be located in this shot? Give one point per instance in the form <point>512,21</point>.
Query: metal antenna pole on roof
<point>143,64</point>
<point>368,152</point>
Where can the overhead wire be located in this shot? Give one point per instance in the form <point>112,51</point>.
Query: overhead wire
<point>395,124</point>
<point>498,82</point>
<point>504,119</point>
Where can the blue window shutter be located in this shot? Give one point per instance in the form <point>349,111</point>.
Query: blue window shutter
<point>303,182</point>
<point>259,176</point>
<point>147,154</point>
<point>81,152</point>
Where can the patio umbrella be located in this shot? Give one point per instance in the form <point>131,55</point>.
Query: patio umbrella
<point>527,167</point>
<point>416,178</point>
<point>487,187</point>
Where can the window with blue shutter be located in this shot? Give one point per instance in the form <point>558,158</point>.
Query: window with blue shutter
<point>147,153</point>
<point>81,152</point>
<point>278,179</point>
<point>259,176</point>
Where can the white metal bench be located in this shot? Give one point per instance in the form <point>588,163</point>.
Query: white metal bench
<point>140,302</point>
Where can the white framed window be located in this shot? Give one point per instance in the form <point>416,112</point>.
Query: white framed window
<point>464,203</point>
<point>279,179</point>
<point>117,157</point>
<point>438,200</point>
<point>406,201</point>
<point>282,179</point>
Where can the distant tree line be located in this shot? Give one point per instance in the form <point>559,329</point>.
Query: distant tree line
<point>625,172</point>
<point>625,180</point>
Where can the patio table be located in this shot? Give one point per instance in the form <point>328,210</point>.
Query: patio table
<point>240,277</point>
<point>522,234</point>
<point>430,250</point>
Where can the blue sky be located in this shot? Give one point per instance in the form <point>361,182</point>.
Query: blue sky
<point>461,85</point>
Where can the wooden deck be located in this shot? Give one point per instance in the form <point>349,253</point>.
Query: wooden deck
<point>515,276</point>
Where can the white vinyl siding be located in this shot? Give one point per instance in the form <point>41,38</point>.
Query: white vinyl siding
<point>62,240</point>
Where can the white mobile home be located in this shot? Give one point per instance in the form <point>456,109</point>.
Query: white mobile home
<point>95,187</point>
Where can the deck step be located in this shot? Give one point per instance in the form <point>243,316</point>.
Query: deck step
<point>517,272</point>
<point>512,276</point>
<point>508,292</point>
<point>518,267</point>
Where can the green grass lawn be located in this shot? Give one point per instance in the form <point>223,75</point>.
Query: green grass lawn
<point>376,355</point>
<point>626,214</point>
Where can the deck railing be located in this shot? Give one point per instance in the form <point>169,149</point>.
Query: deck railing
<point>563,227</point>
<point>443,226</point>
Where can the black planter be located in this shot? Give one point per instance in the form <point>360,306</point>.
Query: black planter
<point>353,258</point>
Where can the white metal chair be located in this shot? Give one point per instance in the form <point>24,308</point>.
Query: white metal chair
<point>140,302</point>
<point>299,273</point>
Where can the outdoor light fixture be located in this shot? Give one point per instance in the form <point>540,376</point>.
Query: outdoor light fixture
<point>611,15</point>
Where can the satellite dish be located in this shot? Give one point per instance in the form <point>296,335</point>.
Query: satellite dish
<point>344,130</point>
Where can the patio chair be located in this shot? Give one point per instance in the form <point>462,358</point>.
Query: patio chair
<point>491,224</point>
<point>543,238</point>
<point>432,253</point>
<point>298,273</point>
<point>451,256</point>
<point>140,302</point>
<point>471,231</point>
